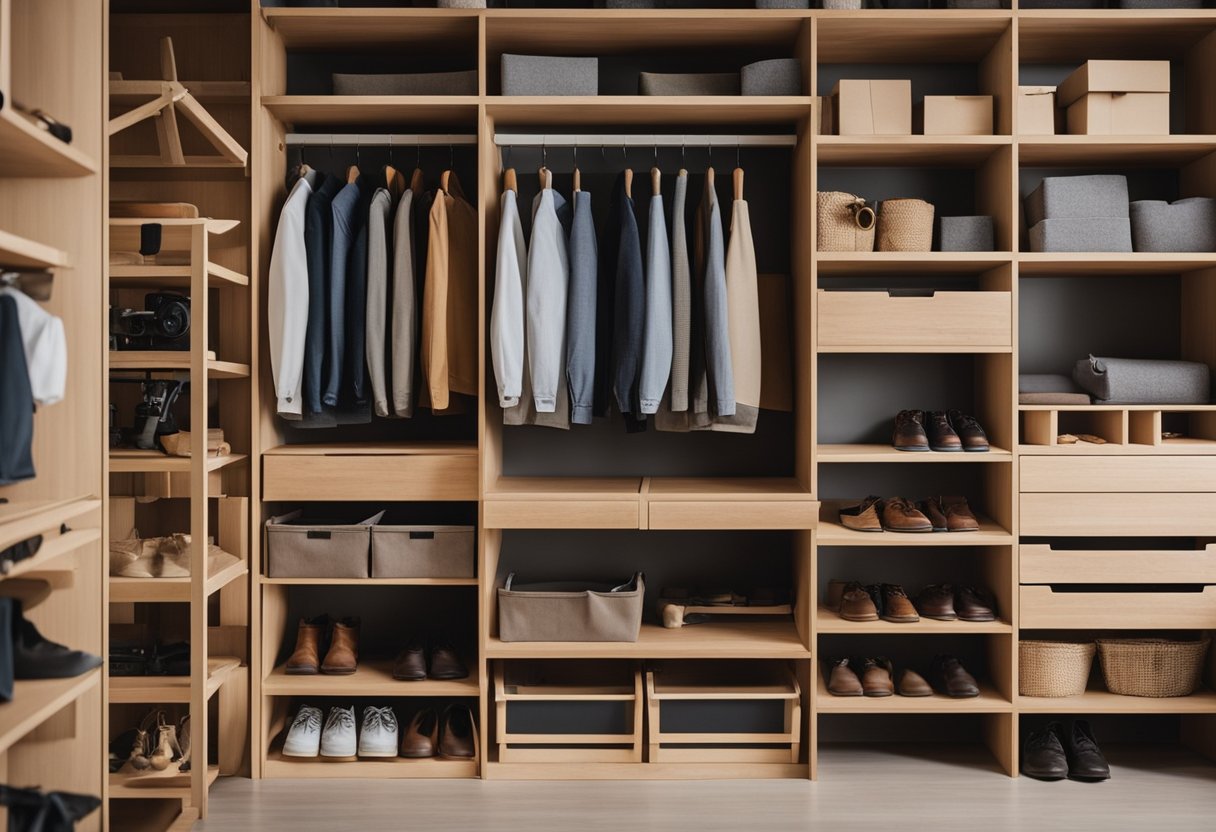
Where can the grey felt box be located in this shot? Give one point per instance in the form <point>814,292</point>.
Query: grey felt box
<point>631,4</point>
<point>1158,4</point>
<point>842,4</point>
<point>973,4</point>
<point>578,611</point>
<point>1073,197</point>
<point>778,76</point>
<point>544,75</point>
<point>965,233</point>
<point>783,4</point>
<point>416,83</point>
<point>1062,4</point>
<point>1185,225</point>
<point>462,4</point>
<point>299,547</point>
<point>688,83</point>
<point>1082,234</point>
<point>422,551</point>
<point>1143,381</point>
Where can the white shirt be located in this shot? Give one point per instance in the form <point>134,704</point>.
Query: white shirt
<point>548,281</point>
<point>46,348</point>
<point>287,305</point>
<point>507,317</point>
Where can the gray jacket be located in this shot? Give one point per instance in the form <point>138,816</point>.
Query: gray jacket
<point>580,311</point>
<point>378,258</point>
<point>656,338</point>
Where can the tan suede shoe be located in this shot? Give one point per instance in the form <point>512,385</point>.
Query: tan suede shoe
<point>876,677</point>
<point>342,658</point>
<point>842,680</point>
<point>912,683</point>
<point>306,658</point>
<point>896,606</point>
<point>900,515</point>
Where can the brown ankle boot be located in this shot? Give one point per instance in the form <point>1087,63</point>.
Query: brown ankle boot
<point>306,659</point>
<point>342,658</point>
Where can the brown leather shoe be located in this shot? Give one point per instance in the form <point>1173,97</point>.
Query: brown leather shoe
<point>876,677</point>
<point>900,515</point>
<point>896,606</point>
<point>410,665</point>
<point>952,679</point>
<point>931,509</point>
<point>843,680</point>
<point>910,431</point>
<point>856,604</point>
<point>342,658</point>
<point>958,514</point>
<point>456,739</point>
<point>936,601</point>
<point>445,664</point>
<point>862,517</point>
<point>305,659</point>
<point>835,593</point>
<point>422,737</point>
<point>969,431</point>
<point>941,436</point>
<point>972,604</point>
<point>912,683</point>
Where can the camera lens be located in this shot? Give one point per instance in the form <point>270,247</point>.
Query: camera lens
<point>174,319</point>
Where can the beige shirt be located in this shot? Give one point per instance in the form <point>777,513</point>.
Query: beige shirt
<point>449,299</point>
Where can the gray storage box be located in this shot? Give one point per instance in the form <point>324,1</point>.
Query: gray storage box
<point>414,83</point>
<point>298,547</point>
<point>1062,4</point>
<point>688,83</point>
<point>462,4</point>
<point>1141,381</point>
<point>842,4</point>
<point>542,75</point>
<point>778,76</point>
<point>1185,225</point>
<point>1072,197</point>
<point>1158,4</point>
<point>783,4</point>
<point>973,4</point>
<point>965,234</point>
<point>1089,234</point>
<point>422,551</point>
<point>570,611</point>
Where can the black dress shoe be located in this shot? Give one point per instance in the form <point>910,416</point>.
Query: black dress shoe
<point>410,665</point>
<point>951,678</point>
<point>1043,755</point>
<point>1085,760</point>
<point>35,657</point>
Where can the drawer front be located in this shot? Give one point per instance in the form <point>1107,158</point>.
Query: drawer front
<point>753,514</point>
<point>1041,564</point>
<point>350,478</point>
<point>1042,608</point>
<point>1118,473</point>
<point>946,319</point>
<point>1118,515</point>
<point>564,514</point>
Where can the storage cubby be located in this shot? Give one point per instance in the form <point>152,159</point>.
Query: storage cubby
<point>985,741</point>
<point>1165,743</point>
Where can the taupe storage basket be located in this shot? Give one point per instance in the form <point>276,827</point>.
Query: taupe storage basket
<point>298,548</point>
<point>905,225</point>
<point>845,222</point>
<point>1155,667</point>
<point>1054,668</point>
<point>570,611</point>
<point>422,551</point>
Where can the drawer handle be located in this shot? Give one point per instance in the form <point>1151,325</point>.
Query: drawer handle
<point>911,293</point>
<point>316,534</point>
<point>422,535</point>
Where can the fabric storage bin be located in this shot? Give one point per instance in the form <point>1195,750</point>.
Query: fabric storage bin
<point>842,4</point>
<point>688,83</point>
<point>1157,4</point>
<point>1153,667</point>
<point>845,222</point>
<point>301,547</point>
<point>412,83</point>
<point>571,611</point>
<point>905,225</point>
<point>462,4</point>
<point>543,75</point>
<point>1082,234</point>
<point>1054,668</point>
<point>1077,197</point>
<point>630,4</point>
<point>965,234</point>
<point>422,551</point>
<point>973,4</point>
<point>1061,4</point>
<point>1143,381</point>
<point>783,4</point>
<point>1185,225</point>
<point>778,76</point>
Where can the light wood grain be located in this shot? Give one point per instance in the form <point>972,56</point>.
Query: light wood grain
<point>1042,608</point>
<point>880,321</point>
<point>1118,514</point>
<point>1118,474</point>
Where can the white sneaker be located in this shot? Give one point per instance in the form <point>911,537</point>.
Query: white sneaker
<point>379,735</point>
<point>338,738</point>
<point>304,737</point>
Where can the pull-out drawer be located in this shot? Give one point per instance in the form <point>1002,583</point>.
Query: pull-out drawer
<point>563,514</point>
<point>708,514</point>
<point>1118,515</point>
<point>1118,473</point>
<point>974,320</point>
<point>297,475</point>
<point>1040,563</point>
<point>1044,608</point>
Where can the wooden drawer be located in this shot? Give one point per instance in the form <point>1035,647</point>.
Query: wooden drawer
<point>369,477</point>
<point>1118,515</point>
<point>1118,473</point>
<point>977,320</point>
<point>1044,609</point>
<point>1042,564</point>
<point>753,514</point>
<point>561,514</point>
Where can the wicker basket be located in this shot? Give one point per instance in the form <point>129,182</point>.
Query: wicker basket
<point>1054,668</point>
<point>905,225</point>
<point>1155,667</point>
<point>846,223</point>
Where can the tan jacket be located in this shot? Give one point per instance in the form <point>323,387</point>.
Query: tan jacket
<point>449,299</point>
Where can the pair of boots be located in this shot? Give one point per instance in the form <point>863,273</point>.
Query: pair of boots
<point>158,743</point>
<point>342,655</point>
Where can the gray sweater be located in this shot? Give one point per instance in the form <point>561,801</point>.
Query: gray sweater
<point>580,311</point>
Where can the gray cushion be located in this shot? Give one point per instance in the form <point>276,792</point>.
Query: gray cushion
<point>779,76</point>
<point>965,233</point>
<point>1185,225</point>
<point>688,83</point>
<point>1069,197</point>
<point>542,75</point>
<point>1046,383</point>
<point>1142,381</point>
<point>417,83</point>
<point>1095,234</point>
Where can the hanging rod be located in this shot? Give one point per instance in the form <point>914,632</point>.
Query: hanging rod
<point>380,139</point>
<point>636,140</point>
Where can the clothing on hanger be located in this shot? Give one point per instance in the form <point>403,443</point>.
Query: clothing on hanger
<point>716,332</point>
<point>318,229</point>
<point>507,313</point>
<point>449,307</point>
<point>346,224</point>
<point>743,314</point>
<point>354,393</point>
<point>548,282</point>
<point>629,313</point>
<point>681,296</point>
<point>379,257</point>
<point>16,399</point>
<point>45,347</point>
<point>581,309</point>
<point>405,308</point>
<point>657,334</point>
<point>287,302</point>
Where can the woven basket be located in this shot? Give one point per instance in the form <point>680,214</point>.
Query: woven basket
<point>1054,668</point>
<point>905,225</point>
<point>846,223</point>
<point>1155,667</point>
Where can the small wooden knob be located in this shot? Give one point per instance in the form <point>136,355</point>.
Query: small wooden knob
<point>655,176</point>
<point>509,182</point>
<point>709,177</point>
<point>578,181</point>
<point>443,181</point>
<point>738,182</point>
<point>629,182</point>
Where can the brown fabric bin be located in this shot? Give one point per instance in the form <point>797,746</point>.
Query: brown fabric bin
<point>578,611</point>
<point>422,551</point>
<point>298,548</point>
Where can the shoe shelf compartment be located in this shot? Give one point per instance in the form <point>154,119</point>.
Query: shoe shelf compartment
<point>1144,430</point>
<point>828,621</point>
<point>170,689</point>
<point>373,677</point>
<point>169,783</point>
<point>832,533</point>
<point>990,701</point>
<point>37,700</point>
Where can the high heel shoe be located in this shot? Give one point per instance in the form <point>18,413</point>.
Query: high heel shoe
<point>166,750</point>
<point>141,748</point>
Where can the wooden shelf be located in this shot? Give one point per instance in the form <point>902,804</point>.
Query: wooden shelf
<point>1076,35</point>
<point>385,768</point>
<point>900,263</point>
<point>934,151</point>
<point>1095,408</point>
<point>1089,151</point>
<point>20,253</point>
<point>128,461</point>
<point>422,110</point>
<point>988,702</point>
<point>1184,447</point>
<point>1106,264</point>
<point>638,110</point>
<point>828,621</point>
<point>152,275</point>
<point>153,690</point>
<point>22,519</point>
<point>909,36</point>
<point>449,447</point>
<point>732,639</point>
<point>1098,701</point>
<point>646,771</point>
<point>886,453</point>
<point>363,28</point>
<point>167,784</point>
<point>170,590</point>
<point>831,533</point>
<point>53,549</point>
<point>215,92</point>
<point>372,678</point>
<point>27,150</point>
<point>35,700</point>
<point>370,581</point>
<point>178,360</point>
<point>370,471</point>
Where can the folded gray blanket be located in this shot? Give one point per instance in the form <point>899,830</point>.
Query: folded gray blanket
<point>1142,381</point>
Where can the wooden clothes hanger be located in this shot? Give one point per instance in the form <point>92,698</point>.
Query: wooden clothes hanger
<point>578,179</point>
<point>629,182</point>
<point>737,179</point>
<point>509,180</point>
<point>655,176</point>
<point>546,178</point>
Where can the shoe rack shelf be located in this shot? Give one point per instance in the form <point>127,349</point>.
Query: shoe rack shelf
<point>990,701</point>
<point>372,678</point>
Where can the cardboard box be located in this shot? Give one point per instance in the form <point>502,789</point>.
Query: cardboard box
<point>1037,111</point>
<point>957,115</point>
<point>1115,76</point>
<point>1120,113</point>
<point>872,108</point>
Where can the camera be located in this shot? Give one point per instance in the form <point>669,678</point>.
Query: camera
<point>164,324</point>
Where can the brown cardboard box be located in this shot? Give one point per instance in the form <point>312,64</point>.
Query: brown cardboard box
<point>957,115</point>
<point>1120,113</point>
<point>1037,111</point>
<point>872,108</point>
<point>1115,76</point>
